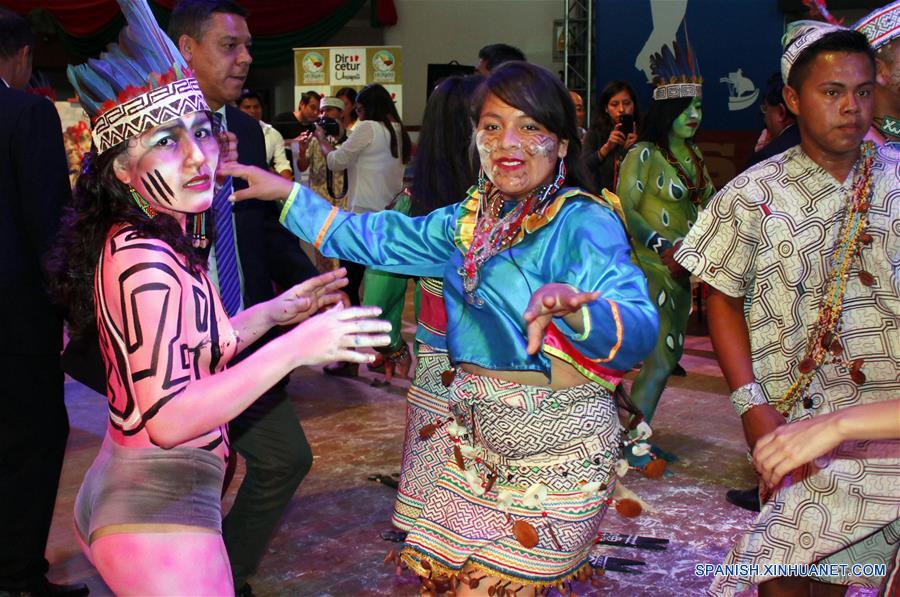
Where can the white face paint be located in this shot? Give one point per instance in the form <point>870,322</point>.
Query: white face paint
<point>518,153</point>
<point>172,166</point>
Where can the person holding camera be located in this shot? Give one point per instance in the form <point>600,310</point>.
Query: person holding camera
<point>374,156</point>
<point>332,185</point>
<point>612,133</point>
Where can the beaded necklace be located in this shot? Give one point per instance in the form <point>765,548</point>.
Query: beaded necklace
<point>695,189</point>
<point>493,231</point>
<point>823,340</point>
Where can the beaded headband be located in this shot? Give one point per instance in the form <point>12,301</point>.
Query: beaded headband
<point>139,83</point>
<point>675,70</point>
<point>881,26</point>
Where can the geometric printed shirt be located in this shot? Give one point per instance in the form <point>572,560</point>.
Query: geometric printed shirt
<point>769,234</point>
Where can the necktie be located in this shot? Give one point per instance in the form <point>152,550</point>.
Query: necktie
<point>226,254</point>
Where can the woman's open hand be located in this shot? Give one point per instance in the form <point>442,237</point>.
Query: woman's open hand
<point>305,299</point>
<point>790,446</point>
<point>549,301</point>
<point>262,183</point>
<point>337,334</point>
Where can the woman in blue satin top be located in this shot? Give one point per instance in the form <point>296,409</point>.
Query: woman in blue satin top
<point>542,298</point>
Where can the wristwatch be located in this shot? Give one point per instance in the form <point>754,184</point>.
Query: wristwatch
<point>746,397</point>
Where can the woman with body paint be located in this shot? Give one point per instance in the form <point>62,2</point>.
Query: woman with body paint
<point>148,514</point>
<point>663,184</point>
<point>545,312</point>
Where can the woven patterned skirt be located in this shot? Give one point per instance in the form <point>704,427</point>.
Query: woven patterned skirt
<point>524,492</point>
<point>423,457</point>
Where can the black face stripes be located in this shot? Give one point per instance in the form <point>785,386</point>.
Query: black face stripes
<point>158,188</point>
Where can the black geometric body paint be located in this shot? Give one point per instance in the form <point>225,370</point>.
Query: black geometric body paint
<point>157,187</point>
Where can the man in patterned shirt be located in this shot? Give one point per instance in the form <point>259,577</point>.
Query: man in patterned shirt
<point>812,237</point>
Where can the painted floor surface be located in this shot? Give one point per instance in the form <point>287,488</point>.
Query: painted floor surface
<point>329,541</point>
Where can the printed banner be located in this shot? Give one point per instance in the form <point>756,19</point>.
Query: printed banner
<point>325,70</point>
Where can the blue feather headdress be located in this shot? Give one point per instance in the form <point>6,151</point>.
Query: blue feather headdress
<point>675,70</point>
<point>138,83</point>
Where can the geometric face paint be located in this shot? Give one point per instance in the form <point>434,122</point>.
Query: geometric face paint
<point>172,166</point>
<point>518,154</point>
<point>157,187</point>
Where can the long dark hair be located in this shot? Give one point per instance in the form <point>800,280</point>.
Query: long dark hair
<point>541,95</point>
<point>350,94</point>
<point>378,105</point>
<point>659,120</point>
<point>100,201</point>
<point>445,165</point>
<point>602,122</point>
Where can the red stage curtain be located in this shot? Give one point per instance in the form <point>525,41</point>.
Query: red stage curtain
<point>86,26</point>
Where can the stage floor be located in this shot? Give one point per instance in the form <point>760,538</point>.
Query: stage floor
<point>329,543</point>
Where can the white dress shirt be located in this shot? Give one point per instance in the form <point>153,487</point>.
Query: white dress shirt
<point>375,175</point>
<point>275,154</point>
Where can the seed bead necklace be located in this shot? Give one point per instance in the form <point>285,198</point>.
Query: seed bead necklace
<point>695,189</point>
<point>493,231</point>
<point>823,340</point>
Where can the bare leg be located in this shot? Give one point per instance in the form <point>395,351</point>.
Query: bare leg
<point>170,563</point>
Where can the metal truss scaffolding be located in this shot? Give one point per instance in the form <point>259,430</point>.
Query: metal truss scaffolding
<point>578,74</point>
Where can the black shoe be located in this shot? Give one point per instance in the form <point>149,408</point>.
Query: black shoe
<point>45,588</point>
<point>679,371</point>
<point>245,591</point>
<point>748,499</point>
<point>342,369</point>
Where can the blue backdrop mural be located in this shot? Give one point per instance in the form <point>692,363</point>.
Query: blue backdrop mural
<point>737,43</point>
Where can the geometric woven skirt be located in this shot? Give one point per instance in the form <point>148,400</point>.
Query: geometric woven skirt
<point>524,492</point>
<point>423,458</point>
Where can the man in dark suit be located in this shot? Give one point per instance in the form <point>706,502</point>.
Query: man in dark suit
<point>781,124</point>
<point>213,37</point>
<point>34,187</point>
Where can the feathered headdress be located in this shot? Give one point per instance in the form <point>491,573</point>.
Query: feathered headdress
<point>137,84</point>
<point>675,70</point>
<point>881,26</point>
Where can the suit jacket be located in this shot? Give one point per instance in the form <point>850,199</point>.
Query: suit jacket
<point>34,188</point>
<point>789,137</point>
<point>268,252</point>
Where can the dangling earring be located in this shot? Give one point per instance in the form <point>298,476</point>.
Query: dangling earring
<point>482,182</point>
<point>560,174</point>
<point>142,203</point>
<point>198,238</point>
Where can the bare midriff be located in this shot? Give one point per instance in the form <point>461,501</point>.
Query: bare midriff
<point>562,375</point>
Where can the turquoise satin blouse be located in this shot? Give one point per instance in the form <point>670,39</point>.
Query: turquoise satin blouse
<point>579,241</point>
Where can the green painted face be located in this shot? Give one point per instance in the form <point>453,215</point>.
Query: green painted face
<point>687,123</point>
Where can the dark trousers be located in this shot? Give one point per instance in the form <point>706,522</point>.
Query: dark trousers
<point>355,273</point>
<point>269,437</point>
<point>34,427</point>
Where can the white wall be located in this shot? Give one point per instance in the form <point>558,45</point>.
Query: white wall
<point>438,31</point>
